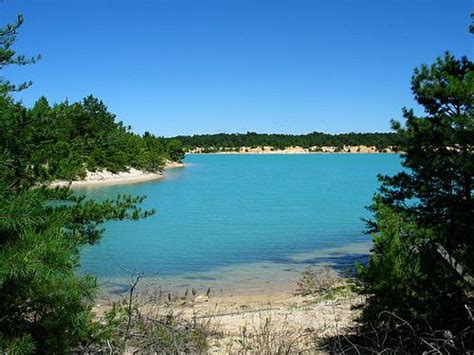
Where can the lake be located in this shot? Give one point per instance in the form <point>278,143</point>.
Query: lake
<point>241,222</point>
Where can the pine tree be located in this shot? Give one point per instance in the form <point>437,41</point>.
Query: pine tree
<point>45,306</point>
<point>424,215</point>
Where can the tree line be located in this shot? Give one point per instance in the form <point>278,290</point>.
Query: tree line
<point>282,141</point>
<point>66,140</point>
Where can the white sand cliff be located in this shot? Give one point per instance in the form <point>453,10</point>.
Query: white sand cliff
<point>362,149</point>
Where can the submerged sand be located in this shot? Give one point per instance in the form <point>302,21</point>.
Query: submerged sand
<point>107,178</point>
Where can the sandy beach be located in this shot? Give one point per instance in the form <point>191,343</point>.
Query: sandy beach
<point>107,178</point>
<point>236,323</point>
<point>357,149</point>
<point>272,321</point>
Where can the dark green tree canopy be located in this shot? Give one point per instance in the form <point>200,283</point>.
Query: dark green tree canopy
<point>423,227</point>
<point>438,185</point>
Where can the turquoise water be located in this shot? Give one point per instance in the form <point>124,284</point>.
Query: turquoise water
<point>228,219</point>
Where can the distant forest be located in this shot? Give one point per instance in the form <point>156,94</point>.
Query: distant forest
<point>281,141</point>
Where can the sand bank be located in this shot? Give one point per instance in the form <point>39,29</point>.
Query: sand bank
<point>356,149</point>
<point>284,318</point>
<point>107,178</point>
<point>278,317</point>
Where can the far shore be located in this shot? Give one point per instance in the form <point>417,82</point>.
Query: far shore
<point>357,149</point>
<point>107,178</point>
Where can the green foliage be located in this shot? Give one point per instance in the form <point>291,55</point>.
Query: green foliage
<point>426,207</point>
<point>67,140</point>
<point>45,306</point>
<point>210,142</point>
<point>175,150</point>
<point>42,299</point>
<point>405,276</point>
<point>8,56</point>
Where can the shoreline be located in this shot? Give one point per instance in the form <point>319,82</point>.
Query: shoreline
<point>106,178</point>
<point>246,279</point>
<point>358,149</point>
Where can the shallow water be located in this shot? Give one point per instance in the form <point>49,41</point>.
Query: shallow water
<point>244,221</point>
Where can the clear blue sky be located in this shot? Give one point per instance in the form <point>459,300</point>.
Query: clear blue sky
<point>195,66</point>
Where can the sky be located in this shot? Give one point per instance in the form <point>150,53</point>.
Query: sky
<point>176,67</point>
